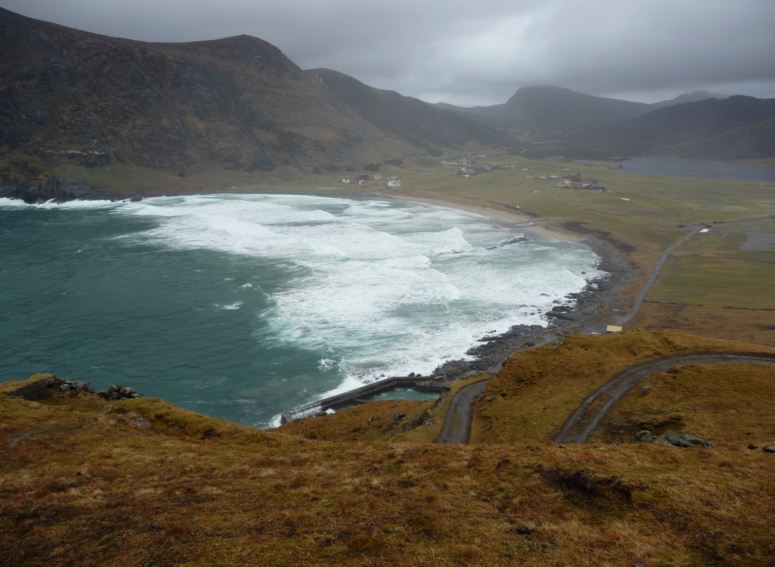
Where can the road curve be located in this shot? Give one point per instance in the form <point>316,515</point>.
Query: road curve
<point>591,412</point>
<point>457,421</point>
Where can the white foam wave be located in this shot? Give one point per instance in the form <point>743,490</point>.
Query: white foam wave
<point>326,364</point>
<point>386,288</point>
<point>230,306</point>
<point>7,203</point>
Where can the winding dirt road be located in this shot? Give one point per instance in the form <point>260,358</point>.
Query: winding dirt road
<point>457,421</point>
<point>591,412</point>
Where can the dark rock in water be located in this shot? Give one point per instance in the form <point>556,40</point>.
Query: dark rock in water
<point>136,199</point>
<point>508,242</point>
<point>644,436</point>
<point>73,388</point>
<point>684,440</point>
<point>769,448</point>
<point>116,392</point>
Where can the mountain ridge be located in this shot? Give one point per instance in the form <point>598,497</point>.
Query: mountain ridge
<point>83,114</point>
<point>72,99</point>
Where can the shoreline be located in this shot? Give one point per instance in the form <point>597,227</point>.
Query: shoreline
<point>593,307</point>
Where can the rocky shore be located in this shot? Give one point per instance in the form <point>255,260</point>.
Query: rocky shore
<point>586,311</point>
<point>52,189</point>
<point>581,312</point>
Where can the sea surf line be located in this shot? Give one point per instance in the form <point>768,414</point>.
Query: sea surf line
<point>242,306</point>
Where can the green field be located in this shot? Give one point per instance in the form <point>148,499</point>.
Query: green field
<point>645,212</point>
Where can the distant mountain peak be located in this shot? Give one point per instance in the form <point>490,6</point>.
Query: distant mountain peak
<point>692,96</point>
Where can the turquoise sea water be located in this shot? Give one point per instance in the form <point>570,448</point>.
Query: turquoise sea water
<point>244,306</point>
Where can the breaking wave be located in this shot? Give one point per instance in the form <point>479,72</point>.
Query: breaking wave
<point>381,287</point>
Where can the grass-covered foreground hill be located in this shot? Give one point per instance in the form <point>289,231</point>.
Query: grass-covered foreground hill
<point>87,481</point>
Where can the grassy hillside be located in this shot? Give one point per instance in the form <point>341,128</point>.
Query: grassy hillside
<point>727,403</point>
<point>135,482</point>
<point>538,389</point>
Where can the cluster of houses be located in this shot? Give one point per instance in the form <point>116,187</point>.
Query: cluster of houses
<point>464,160</point>
<point>468,171</point>
<point>575,181</point>
<point>468,164</point>
<point>362,180</point>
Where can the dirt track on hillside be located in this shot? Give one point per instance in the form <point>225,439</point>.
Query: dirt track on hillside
<point>457,421</point>
<point>591,412</point>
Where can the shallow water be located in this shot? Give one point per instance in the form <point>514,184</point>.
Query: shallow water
<point>242,306</point>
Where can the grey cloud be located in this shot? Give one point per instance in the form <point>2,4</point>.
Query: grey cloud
<point>474,52</point>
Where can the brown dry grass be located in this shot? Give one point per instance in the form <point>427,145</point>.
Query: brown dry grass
<point>538,389</point>
<point>84,481</point>
<point>729,404</point>
<point>751,325</point>
<point>96,488</point>
<point>375,421</point>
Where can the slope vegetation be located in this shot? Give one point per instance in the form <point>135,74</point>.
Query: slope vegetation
<point>84,480</point>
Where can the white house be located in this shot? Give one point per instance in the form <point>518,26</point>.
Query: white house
<point>394,182</point>
<point>346,180</point>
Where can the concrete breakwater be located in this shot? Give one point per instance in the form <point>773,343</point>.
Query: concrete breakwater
<point>360,395</point>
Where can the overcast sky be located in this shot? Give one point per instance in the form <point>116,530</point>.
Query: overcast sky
<point>474,51</point>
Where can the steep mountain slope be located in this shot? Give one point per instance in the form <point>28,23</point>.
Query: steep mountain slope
<point>558,109</point>
<point>418,122</point>
<point>237,101</point>
<point>564,122</point>
<point>730,128</point>
<point>71,98</point>
<point>554,109</point>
